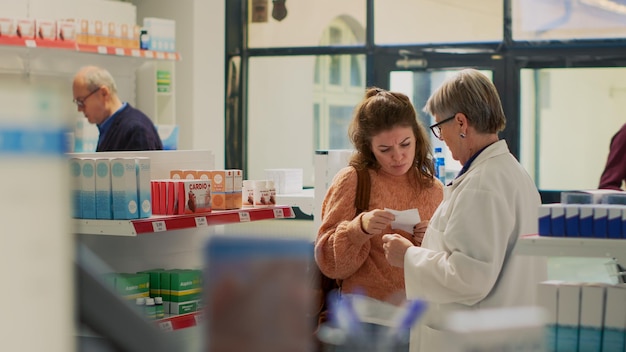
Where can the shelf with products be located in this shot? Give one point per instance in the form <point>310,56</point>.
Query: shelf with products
<point>573,247</point>
<point>179,222</point>
<point>17,42</point>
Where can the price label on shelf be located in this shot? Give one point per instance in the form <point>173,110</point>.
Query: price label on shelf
<point>201,221</point>
<point>102,49</point>
<point>171,56</point>
<point>160,55</point>
<point>135,53</point>
<point>119,51</point>
<point>244,216</point>
<point>279,213</point>
<point>166,326</point>
<point>30,43</point>
<point>148,54</point>
<point>159,226</point>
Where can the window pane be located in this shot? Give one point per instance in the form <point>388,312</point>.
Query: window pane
<point>418,86</point>
<point>306,22</point>
<point>567,126</point>
<point>557,19</point>
<point>288,122</point>
<point>428,21</point>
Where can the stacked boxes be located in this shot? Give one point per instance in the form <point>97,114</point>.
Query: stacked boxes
<point>117,188</point>
<point>584,317</point>
<point>590,214</point>
<point>197,191</point>
<point>180,289</point>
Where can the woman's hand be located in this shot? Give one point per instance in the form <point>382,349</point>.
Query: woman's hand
<point>375,221</point>
<point>395,247</point>
<point>418,232</point>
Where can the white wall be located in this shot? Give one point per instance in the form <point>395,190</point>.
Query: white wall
<point>200,74</point>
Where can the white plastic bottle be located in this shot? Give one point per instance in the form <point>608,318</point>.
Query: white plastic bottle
<point>440,165</point>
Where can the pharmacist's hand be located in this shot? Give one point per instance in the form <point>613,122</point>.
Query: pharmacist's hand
<point>419,230</point>
<point>395,247</point>
<point>375,221</point>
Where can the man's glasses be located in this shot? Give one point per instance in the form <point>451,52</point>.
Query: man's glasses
<point>436,127</point>
<point>80,102</point>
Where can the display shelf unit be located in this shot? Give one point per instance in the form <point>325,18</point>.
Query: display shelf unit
<point>178,322</point>
<point>18,42</point>
<point>573,247</point>
<point>179,222</point>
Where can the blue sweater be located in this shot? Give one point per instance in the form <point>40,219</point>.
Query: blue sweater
<point>131,130</point>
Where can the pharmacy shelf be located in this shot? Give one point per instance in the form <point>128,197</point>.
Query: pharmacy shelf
<point>17,42</point>
<point>178,322</point>
<point>573,247</point>
<point>179,222</point>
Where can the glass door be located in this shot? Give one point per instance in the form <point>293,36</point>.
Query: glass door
<point>419,75</point>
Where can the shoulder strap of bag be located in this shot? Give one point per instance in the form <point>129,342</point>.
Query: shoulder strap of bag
<point>362,199</point>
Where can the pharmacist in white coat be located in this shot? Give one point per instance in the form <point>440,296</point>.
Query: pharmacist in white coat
<point>466,261</point>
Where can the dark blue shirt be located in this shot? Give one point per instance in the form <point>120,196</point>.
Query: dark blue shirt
<point>128,129</point>
<point>106,125</point>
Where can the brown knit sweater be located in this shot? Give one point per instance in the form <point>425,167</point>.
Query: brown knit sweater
<point>343,251</point>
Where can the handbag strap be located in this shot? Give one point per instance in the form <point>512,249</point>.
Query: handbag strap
<point>362,199</point>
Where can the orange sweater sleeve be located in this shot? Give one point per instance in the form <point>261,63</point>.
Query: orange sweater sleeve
<point>341,246</point>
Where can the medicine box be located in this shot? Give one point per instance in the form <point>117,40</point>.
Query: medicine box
<point>132,286</point>
<point>88,187</point>
<point>572,220</point>
<point>77,208</point>
<point>195,195</point>
<point>547,298</point>
<point>103,189</point>
<point>185,289</point>
<point>614,220</point>
<point>585,220</point>
<point>600,213</point>
<point>234,199</point>
<point>551,219</point>
<point>124,188</point>
<point>143,187</point>
<point>221,187</point>
<point>591,318</point>
<point>614,334</point>
<point>568,317</point>
<point>557,218</point>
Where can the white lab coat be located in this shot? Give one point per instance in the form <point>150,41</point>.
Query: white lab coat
<point>465,261</point>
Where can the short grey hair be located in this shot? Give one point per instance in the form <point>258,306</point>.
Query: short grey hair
<point>95,77</point>
<point>472,93</point>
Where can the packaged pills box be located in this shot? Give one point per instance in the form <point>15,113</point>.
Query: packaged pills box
<point>103,189</point>
<point>124,188</point>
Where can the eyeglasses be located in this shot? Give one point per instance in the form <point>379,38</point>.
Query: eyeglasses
<point>80,102</point>
<point>436,127</point>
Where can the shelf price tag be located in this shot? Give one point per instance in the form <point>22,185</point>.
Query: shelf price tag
<point>244,216</point>
<point>279,214</point>
<point>159,226</point>
<point>149,54</point>
<point>119,51</point>
<point>102,49</point>
<point>30,43</point>
<point>160,55</point>
<point>166,325</point>
<point>201,221</point>
<point>135,53</point>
